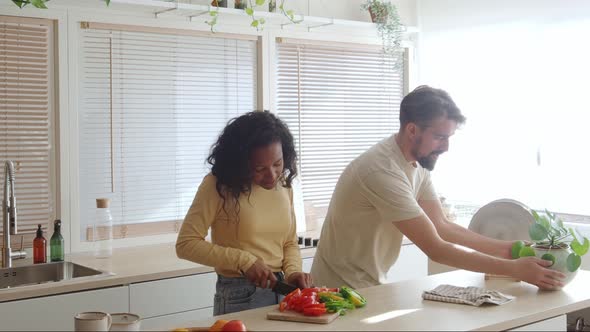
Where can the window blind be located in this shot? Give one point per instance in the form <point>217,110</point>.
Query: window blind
<point>151,106</point>
<point>25,113</point>
<point>338,102</point>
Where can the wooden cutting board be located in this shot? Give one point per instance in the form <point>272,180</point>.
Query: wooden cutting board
<point>294,316</point>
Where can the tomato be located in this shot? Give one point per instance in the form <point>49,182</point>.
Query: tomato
<point>326,289</point>
<point>234,325</point>
<point>218,326</point>
<point>293,303</point>
<point>296,292</point>
<point>306,301</point>
<point>310,291</point>
<point>313,311</point>
<point>282,306</point>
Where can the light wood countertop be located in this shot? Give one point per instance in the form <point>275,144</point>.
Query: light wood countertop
<point>399,306</point>
<point>128,265</point>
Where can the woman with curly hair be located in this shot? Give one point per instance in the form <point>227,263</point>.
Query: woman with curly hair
<point>247,201</point>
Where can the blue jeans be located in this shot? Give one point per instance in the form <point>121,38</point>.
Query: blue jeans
<point>238,294</point>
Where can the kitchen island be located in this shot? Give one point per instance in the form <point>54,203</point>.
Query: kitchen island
<point>399,306</point>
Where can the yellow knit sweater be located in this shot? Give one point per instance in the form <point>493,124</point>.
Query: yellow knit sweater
<point>265,229</point>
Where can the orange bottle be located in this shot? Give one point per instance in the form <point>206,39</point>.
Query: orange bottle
<point>39,247</point>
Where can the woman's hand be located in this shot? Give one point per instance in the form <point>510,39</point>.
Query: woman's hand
<point>300,279</point>
<point>261,275</point>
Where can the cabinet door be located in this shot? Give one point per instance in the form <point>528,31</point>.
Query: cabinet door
<point>56,313</point>
<point>558,323</point>
<point>169,296</point>
<point>178,320</point>
<point>412,263</point>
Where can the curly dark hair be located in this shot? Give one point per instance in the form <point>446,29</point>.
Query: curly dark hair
<point>230,155</point>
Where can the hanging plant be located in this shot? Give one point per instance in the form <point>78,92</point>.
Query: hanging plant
<point>249,7</point>
<point>257,23</point>
<point>389,27</point>
<point>288,13</point>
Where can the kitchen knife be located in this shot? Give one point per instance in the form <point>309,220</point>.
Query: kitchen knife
<point>283,288</point>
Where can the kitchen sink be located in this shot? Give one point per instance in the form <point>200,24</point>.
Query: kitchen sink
<point>43,273</point>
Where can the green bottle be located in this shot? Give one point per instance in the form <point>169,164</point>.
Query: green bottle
<point>56,244</point>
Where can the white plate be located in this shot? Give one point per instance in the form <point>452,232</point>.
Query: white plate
<point>503,219</point>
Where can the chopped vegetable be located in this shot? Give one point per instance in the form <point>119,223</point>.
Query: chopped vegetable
<point>317,301</point>
<point>354,297</point>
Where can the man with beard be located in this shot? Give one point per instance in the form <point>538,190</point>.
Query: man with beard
<point>387,193</point>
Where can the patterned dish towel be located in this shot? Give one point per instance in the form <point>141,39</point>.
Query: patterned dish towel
<point>466,295</point>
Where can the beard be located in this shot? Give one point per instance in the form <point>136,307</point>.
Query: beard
<point>429,161</point>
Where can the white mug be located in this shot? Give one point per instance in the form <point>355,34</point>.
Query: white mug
<point>125,322</point>
<point>92,321</point>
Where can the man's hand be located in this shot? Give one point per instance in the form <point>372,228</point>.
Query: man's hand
<point>261,275</point>
<point>533,270</point>
<point>300,279</point>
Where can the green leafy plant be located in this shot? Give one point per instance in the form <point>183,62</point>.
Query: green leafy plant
<point>549,234</point>
<point>213,14</point>
<point>389,26</point>
<point>257,23</point>
<point>249,7</point>
<point>289,13</point>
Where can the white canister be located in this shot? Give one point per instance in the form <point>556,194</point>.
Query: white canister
<point>125,322</point>
<point>92,321</point>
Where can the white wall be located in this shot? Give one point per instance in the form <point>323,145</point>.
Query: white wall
<point>518,70</point>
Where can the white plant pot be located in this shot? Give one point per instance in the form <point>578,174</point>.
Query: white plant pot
<point>560,261</point>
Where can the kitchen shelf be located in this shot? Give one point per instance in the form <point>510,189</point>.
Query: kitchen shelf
<point>168,9</point>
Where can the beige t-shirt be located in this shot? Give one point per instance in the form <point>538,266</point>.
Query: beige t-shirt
<point>266,230</point>
<point>359,243</point>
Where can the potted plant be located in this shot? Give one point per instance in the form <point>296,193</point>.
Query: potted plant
<point>552,241</point>
<point>240,4</point>
<point>219,3</point>
<point>389,26</point>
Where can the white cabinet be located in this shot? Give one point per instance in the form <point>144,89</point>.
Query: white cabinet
<point>56,313</point>
<point>412,263</point>
<point>558,323</point>
<point>180,319</point>
<point>173,296</point>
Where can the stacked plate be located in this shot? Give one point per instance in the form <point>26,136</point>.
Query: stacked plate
<point>503,219</point>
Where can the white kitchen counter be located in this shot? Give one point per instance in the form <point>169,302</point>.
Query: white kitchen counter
<point>129,265</point>
<point>399,306</point>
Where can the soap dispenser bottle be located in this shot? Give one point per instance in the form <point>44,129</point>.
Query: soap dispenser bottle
<point>39,247</point>
<point>56,243</point>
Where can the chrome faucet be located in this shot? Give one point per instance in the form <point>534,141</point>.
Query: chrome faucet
<point>9,217</point>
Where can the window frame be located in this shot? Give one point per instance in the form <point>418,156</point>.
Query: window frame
<point>54,70</point>
<point>151,233</point>
<point>334,39</point>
